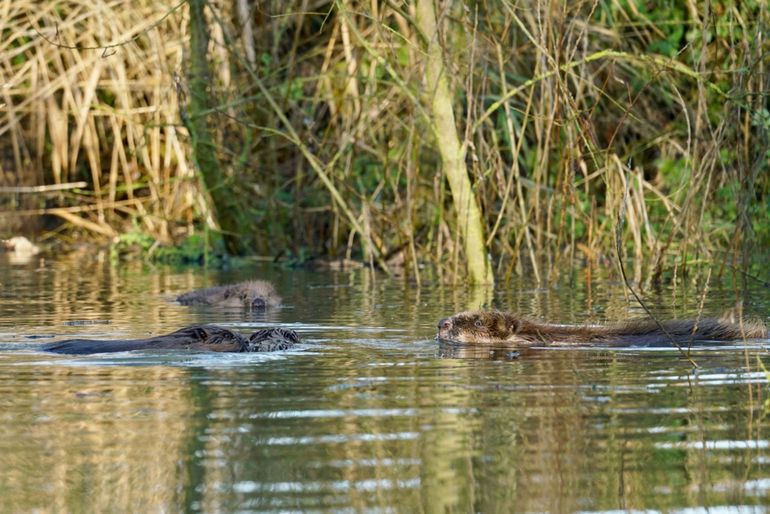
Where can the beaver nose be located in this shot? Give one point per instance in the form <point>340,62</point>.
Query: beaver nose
<point>444,324</point>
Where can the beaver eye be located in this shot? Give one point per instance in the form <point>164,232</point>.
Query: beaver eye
<point>478,323</point>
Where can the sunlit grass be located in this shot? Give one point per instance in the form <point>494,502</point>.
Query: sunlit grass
<point>567,112</point>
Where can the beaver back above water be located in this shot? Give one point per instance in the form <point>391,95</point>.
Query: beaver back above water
<point>197,337</point>
<point>489,327</point>
<point>252,294</point>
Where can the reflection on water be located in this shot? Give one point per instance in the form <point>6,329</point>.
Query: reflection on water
<point>370,414</point>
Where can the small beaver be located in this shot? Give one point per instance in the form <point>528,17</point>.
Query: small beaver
<point>252,294</point>
<point>197,337</point>
<point>489,327</point>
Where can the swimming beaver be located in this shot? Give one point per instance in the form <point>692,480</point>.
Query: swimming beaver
<point>489,327</point>
<point>197,337</point>
<point>252,294</point>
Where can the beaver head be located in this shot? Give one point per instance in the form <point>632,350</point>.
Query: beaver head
<point>271,339</point>
<point>253,294</point>
<point>479,327</point>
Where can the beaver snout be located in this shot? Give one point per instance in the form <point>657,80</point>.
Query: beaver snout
<point>445,324</point>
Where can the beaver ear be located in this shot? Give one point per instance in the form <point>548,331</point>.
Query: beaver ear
<point>513,325</point>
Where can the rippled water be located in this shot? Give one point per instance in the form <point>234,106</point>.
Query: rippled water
<point>369,415</point>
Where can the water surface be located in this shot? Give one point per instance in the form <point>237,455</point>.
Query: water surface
<point>369,415</point>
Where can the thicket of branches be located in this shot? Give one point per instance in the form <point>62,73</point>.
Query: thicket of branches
<point>320,120</point>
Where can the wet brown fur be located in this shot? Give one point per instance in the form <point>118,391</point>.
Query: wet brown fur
<point>197,338</point>
<point>251,294</point>
<point>489,327</point>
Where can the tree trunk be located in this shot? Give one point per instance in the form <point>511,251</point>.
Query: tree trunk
<point>452,153</point>
<point>226,208</point>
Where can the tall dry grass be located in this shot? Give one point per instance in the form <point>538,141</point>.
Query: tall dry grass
<point>88,96</point>
<point>569,111</point>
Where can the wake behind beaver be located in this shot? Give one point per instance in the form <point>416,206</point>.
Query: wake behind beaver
<point>490,327</point>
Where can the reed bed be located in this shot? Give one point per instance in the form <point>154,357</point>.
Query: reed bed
<point>88,97</point>
<point>569,113</point>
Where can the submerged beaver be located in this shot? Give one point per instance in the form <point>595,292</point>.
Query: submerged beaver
<point>197,337</point>
<point>489,327</point>
<point>252,294</point>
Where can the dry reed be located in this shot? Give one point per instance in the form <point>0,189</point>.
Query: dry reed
<point>89,96</point>
<point>564,109</point>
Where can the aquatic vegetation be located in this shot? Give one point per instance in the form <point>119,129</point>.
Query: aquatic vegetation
<point>315,129</point>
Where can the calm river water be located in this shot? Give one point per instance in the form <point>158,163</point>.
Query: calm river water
<point>369,415</point>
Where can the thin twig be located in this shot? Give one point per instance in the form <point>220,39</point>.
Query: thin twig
<point>618,247</point>
<point>104,48</point>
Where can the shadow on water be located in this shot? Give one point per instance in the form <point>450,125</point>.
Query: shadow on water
<point>372,413</point>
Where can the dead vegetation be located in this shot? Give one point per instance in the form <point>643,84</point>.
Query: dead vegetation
<point>565,111</point>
